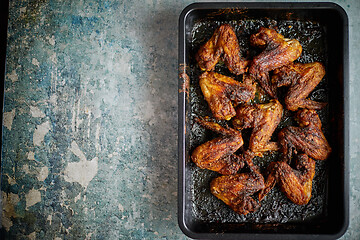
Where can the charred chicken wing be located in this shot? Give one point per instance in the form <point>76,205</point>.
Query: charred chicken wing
<point>278,51</point>
<point>301,80</point>
<point>221,92</point>
<point>217,154</point>
<point>263,118</point>
<point>223,43</point>
<point>236,190</point>
<point>308,138</point>
<point>296,183</point>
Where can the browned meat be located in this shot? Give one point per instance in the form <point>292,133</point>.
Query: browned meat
<point>217,154</point>
<point>308,138</point>
<point>301,79</point>
<point>278,51</point>
<point>263,118</point>
<point>221,92</point>
<point>236,190</point>
<point>223,43</point>
<point>295,183</point>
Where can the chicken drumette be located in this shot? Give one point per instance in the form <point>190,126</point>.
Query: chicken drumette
<point>301,79</point>
<point>221,92</point>
<point>223,43</point>
<point>218,154</point>
<point>308,138</point>
<point>279,51</point>
<point>263,118</point>
<point>236,190</point>
<point>295,183</point>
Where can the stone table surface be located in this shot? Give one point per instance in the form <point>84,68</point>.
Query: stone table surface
<point>90,120</point>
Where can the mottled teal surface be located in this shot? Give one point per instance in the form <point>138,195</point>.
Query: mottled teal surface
<point>90,120</point>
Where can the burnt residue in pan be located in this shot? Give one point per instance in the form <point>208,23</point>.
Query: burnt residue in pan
<point>276,208</point>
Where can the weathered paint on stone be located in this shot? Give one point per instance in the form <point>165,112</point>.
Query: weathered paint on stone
<point>90,120</point>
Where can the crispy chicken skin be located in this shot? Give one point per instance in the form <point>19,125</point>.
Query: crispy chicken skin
<point>221,92</point>
<point>308,138</point>
<point>296,183</point>
<point>223,43</point>
<point>263,118</point>
<point>218,154</point>
<point>278,51</point>
<point>236,190</point>
<point>301,79</point>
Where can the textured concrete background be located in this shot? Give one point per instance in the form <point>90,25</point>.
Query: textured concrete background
<point>90,120</point>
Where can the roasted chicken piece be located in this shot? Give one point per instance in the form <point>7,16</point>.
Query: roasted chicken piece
<point>278,51</point>
<point>263,119</point>
<point>221,92</point>
<point>301,79</point>
<point>223,44</point>
<point>218,154</point>
<point>295,183</point>
<point>236,190</point>
<point>308,138</point>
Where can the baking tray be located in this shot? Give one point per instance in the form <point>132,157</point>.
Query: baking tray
<point>4,13</point>
<point>322,29</point>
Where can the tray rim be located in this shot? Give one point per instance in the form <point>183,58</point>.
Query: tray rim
<point>182,95</point>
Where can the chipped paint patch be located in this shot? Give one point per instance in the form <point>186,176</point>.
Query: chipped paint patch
<point>36,112</point>
<point>49,218</point>
<point>53,58</point>
<point>13,76</point>
<point>40,132</point>
<point>31,155</point>
<point>35,62</point>
<point>97,137</point>
<point>83,171</point>
<point>22,10</point>
<point>88,236</point>
<point>26,169</point>
<point>11,180</point>
<point>32,197</point>
<point>9,201</point>
<point>43,174</point>
<point>121,207</point>
<point>8,119</point>
<point>77,198</point>
<point>51,40</point>
<point>53,99</point>
<point>74,148</point>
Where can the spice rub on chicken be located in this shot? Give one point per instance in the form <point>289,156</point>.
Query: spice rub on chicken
<point>301,79</point>
<point>222,45</point>
<point>295,183</point>
<point>222,92</point>
<point>236,190</point>
<point>278,51</point>
<point>263,119</point>
<point>229,99</point>
<point>307,138</point>
<point>218,153</point>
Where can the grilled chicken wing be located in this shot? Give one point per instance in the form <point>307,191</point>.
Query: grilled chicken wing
<point>221,92</point>
<point>236,190</point>
<point>301,79</point>
<point>308,138</point>
<point>223,43</point>
<point>263,118</point>
<point>218,154</point>
<point>295,183</point>
<point>279,51</point>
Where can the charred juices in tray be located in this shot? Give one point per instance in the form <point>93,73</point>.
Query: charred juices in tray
<point>231,100</point>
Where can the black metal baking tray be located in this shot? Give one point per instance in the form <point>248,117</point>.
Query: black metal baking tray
<point>4,13</point>
<point>322,29</point>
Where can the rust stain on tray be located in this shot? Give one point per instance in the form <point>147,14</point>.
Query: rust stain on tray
<point>185,80</point>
